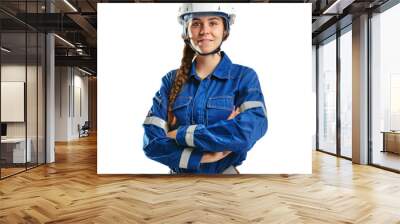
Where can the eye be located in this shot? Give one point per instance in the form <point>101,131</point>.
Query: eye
<point>213,23</point>
<point>195,24</point>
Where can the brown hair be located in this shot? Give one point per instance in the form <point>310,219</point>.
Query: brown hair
<point>182,75</point>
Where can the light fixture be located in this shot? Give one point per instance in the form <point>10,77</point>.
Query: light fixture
<point>5,50</point>
<point>80,51</point>
<point>70,5</point>
<point>84,71</point>
<point>337,7</point>
<point>64,40</point>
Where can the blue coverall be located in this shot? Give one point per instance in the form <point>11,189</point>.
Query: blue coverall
<point>201,109</point>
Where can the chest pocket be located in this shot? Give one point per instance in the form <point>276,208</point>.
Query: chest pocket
<point>181,109</point>
<point>219,108</point>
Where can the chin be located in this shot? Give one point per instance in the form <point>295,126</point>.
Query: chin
<point>205,51</point>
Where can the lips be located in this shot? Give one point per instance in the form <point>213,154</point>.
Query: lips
<point>205,41</point>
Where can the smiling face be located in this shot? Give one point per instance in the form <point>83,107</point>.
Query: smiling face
<point>206,33</point>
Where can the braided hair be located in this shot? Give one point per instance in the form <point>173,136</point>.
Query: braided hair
<point>182,75</point>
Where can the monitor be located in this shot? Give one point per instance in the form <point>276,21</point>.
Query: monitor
<point>3,129</point>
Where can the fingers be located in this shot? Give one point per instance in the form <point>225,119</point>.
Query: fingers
<point>234,113</point>
<point>211,157</point>
<point>173,123</point>
<point>220,155</point>
<point>169,134</point>
<point>172,134</point>
<point>225,153</point>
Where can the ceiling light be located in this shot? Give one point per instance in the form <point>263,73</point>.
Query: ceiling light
<point>84,71</point>
<point>64,40</point>
<point>70,5</point>
<point>338,6</point>
<point>5,50</point>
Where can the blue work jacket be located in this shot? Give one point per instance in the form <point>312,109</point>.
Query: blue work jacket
<point>202,108</point>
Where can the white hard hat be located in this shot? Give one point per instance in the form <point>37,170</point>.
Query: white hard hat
<point>207,8</point>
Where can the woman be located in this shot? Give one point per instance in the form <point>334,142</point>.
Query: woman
<point>208,113</point>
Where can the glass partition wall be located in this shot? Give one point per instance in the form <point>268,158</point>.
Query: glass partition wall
<point>334,75</point>
<point>327,95</point>
<point>334,58</point>
<point>346,92</point>
<point>13,110</point>
<point>385,89</point>
<point>22,88</point>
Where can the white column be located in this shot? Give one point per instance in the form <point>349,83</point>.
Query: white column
<point>62,102</point>
<point>360,90</point>
<point>50,93</point>
<point>314,90</point>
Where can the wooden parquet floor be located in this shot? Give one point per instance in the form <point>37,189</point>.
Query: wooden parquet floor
<point>70,191</point>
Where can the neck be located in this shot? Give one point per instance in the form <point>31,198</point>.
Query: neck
<point>206,64</point>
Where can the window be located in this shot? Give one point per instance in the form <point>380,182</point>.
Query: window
<point>346,93</point>
<point>327,96</point>
<point>385,85</point>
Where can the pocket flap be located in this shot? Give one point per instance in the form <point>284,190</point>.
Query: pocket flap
<point>220,102</point>
<point>181,101</point>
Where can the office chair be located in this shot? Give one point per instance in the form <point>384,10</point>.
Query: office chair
<point>84,130</point>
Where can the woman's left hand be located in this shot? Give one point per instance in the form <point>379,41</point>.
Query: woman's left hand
<point>234,113</point>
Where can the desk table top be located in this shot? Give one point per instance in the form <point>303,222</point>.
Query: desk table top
<point>13,140</point>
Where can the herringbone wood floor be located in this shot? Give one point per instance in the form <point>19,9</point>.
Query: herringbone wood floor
<point>70,191</point>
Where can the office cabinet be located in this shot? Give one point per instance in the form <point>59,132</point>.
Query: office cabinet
<point>391,141</point>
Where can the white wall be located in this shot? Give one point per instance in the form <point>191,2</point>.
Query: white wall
<point>80,83</point>
<point>314,99</point>
<point>70,83</point>
<point>61,103</point>
<point>17,73</point>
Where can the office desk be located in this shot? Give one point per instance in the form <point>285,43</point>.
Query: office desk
<point>391,141</point>
<point>13,150</point>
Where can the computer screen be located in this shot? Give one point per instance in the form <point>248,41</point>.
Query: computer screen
<point>3,129</point>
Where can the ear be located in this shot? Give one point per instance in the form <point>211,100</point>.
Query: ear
<point>225,35</point>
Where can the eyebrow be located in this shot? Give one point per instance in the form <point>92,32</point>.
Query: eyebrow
<point>212,18</point>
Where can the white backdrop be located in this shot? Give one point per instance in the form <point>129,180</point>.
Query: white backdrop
<point>140,43</point>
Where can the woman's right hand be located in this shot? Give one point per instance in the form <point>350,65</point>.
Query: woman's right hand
<point>210,157</point>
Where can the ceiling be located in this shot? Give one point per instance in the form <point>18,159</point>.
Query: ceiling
<point>76,22</point>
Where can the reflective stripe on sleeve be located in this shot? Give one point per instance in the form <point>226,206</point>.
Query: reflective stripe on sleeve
<point>253,104</point>
<point>189,137</point>
<point>184,161</point>
<point>157,122</point>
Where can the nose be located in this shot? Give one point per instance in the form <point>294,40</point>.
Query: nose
<point>204,29</point>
